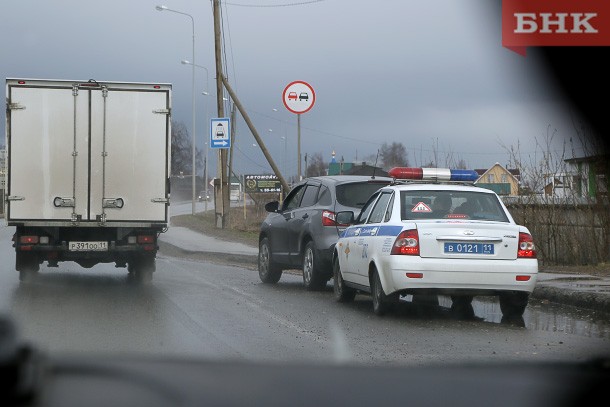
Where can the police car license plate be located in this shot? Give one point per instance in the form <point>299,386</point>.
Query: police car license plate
<point>469,248</point>
<point>88,246</point>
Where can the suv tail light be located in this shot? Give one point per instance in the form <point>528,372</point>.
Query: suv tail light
<point>329,218</point>
<point>407,243</point>
<point>526,246</point>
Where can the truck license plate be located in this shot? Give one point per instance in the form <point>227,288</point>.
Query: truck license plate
<point>88,246</point>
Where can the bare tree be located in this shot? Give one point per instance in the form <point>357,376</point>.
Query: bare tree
<point>370,159</point>
<point>461,164</point>
<point>316,166</point>
<point>569,225</point>
<point>393,155</point>
<point>445,158</point>
<point>182,160</point>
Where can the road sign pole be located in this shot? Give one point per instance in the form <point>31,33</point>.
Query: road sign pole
<point>299,97</point>
<point>299,144</point>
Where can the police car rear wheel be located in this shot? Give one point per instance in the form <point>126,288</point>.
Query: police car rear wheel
<point>512,304</point>
<point>461,306</point>
<point>343,293</point>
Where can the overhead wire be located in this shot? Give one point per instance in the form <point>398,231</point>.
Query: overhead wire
<point>234,75</point>
<point>225,33</point>
<point>301,3</point>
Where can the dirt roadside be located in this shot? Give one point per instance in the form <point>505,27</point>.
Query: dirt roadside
<point>245,230</point>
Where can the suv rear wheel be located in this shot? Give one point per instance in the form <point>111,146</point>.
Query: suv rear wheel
<point>312,270</point>
<point>268,271</point>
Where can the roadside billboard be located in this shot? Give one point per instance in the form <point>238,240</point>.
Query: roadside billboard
<point>262,183</point>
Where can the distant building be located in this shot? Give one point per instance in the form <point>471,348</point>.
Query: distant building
<point>586,176</point>
<point>342,168</point>
<point>499,179</point>
<point>562,185</point>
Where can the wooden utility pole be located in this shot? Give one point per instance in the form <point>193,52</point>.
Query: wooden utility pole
<point>258,139</point>
<point>222,205</point>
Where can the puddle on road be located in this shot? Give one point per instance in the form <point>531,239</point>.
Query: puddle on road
<point>546,317</point>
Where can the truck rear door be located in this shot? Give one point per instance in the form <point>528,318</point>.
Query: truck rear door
<point>129,147</point>
<point>87,152</point>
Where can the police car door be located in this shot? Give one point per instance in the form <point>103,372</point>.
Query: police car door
<point>372,235</point>
<point>354,250</point>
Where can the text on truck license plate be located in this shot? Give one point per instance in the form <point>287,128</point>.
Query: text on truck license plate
<point>87,246</point>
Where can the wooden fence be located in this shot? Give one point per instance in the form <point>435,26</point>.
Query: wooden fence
<point>567,234</point>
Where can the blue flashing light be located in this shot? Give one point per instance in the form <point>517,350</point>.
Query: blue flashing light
<point>433,174</point>
<point>464,175</point>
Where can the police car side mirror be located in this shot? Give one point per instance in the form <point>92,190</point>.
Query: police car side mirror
<point>344,218</point>
<point>272,206</point>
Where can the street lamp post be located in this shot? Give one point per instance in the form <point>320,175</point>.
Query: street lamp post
<point>205,93</point>
<point>164,8</point>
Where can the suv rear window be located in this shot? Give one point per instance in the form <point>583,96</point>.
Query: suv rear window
<point>355,194</point>
<point>310,196</point>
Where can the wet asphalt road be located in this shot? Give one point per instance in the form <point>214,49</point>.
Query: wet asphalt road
<point>214,311</point>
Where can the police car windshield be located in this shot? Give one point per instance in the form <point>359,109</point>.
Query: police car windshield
<point>451,205</point>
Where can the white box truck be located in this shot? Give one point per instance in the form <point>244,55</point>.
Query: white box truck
<point>88,172</point>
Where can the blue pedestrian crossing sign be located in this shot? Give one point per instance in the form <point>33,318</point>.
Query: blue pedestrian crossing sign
<point>220,133</point>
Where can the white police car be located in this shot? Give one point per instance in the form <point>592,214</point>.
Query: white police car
<point>435,234</point>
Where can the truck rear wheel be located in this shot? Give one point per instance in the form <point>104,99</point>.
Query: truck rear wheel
<point>141,269</point>
<point>27,265</point>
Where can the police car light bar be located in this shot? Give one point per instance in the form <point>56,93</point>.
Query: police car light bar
<point>433,174</point>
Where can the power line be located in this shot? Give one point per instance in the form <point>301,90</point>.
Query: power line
<point>426,150</point>
<point>250,159</point>
<point>303,3</point>
<point>228,30</point>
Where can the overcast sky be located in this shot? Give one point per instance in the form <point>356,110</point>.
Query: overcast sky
<point>428,74</point>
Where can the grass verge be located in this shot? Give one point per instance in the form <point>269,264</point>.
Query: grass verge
<point>241,228</point>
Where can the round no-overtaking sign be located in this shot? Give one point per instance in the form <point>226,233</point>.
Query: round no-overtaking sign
<point>299,97</point>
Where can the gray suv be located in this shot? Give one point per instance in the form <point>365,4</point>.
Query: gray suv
<point>301,232</point>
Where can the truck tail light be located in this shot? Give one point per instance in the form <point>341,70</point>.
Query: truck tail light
<point>28,239</point>
<point>146,239</point>
<point>329,218</point>
<point>526,246</point>
<point>406,243</point>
